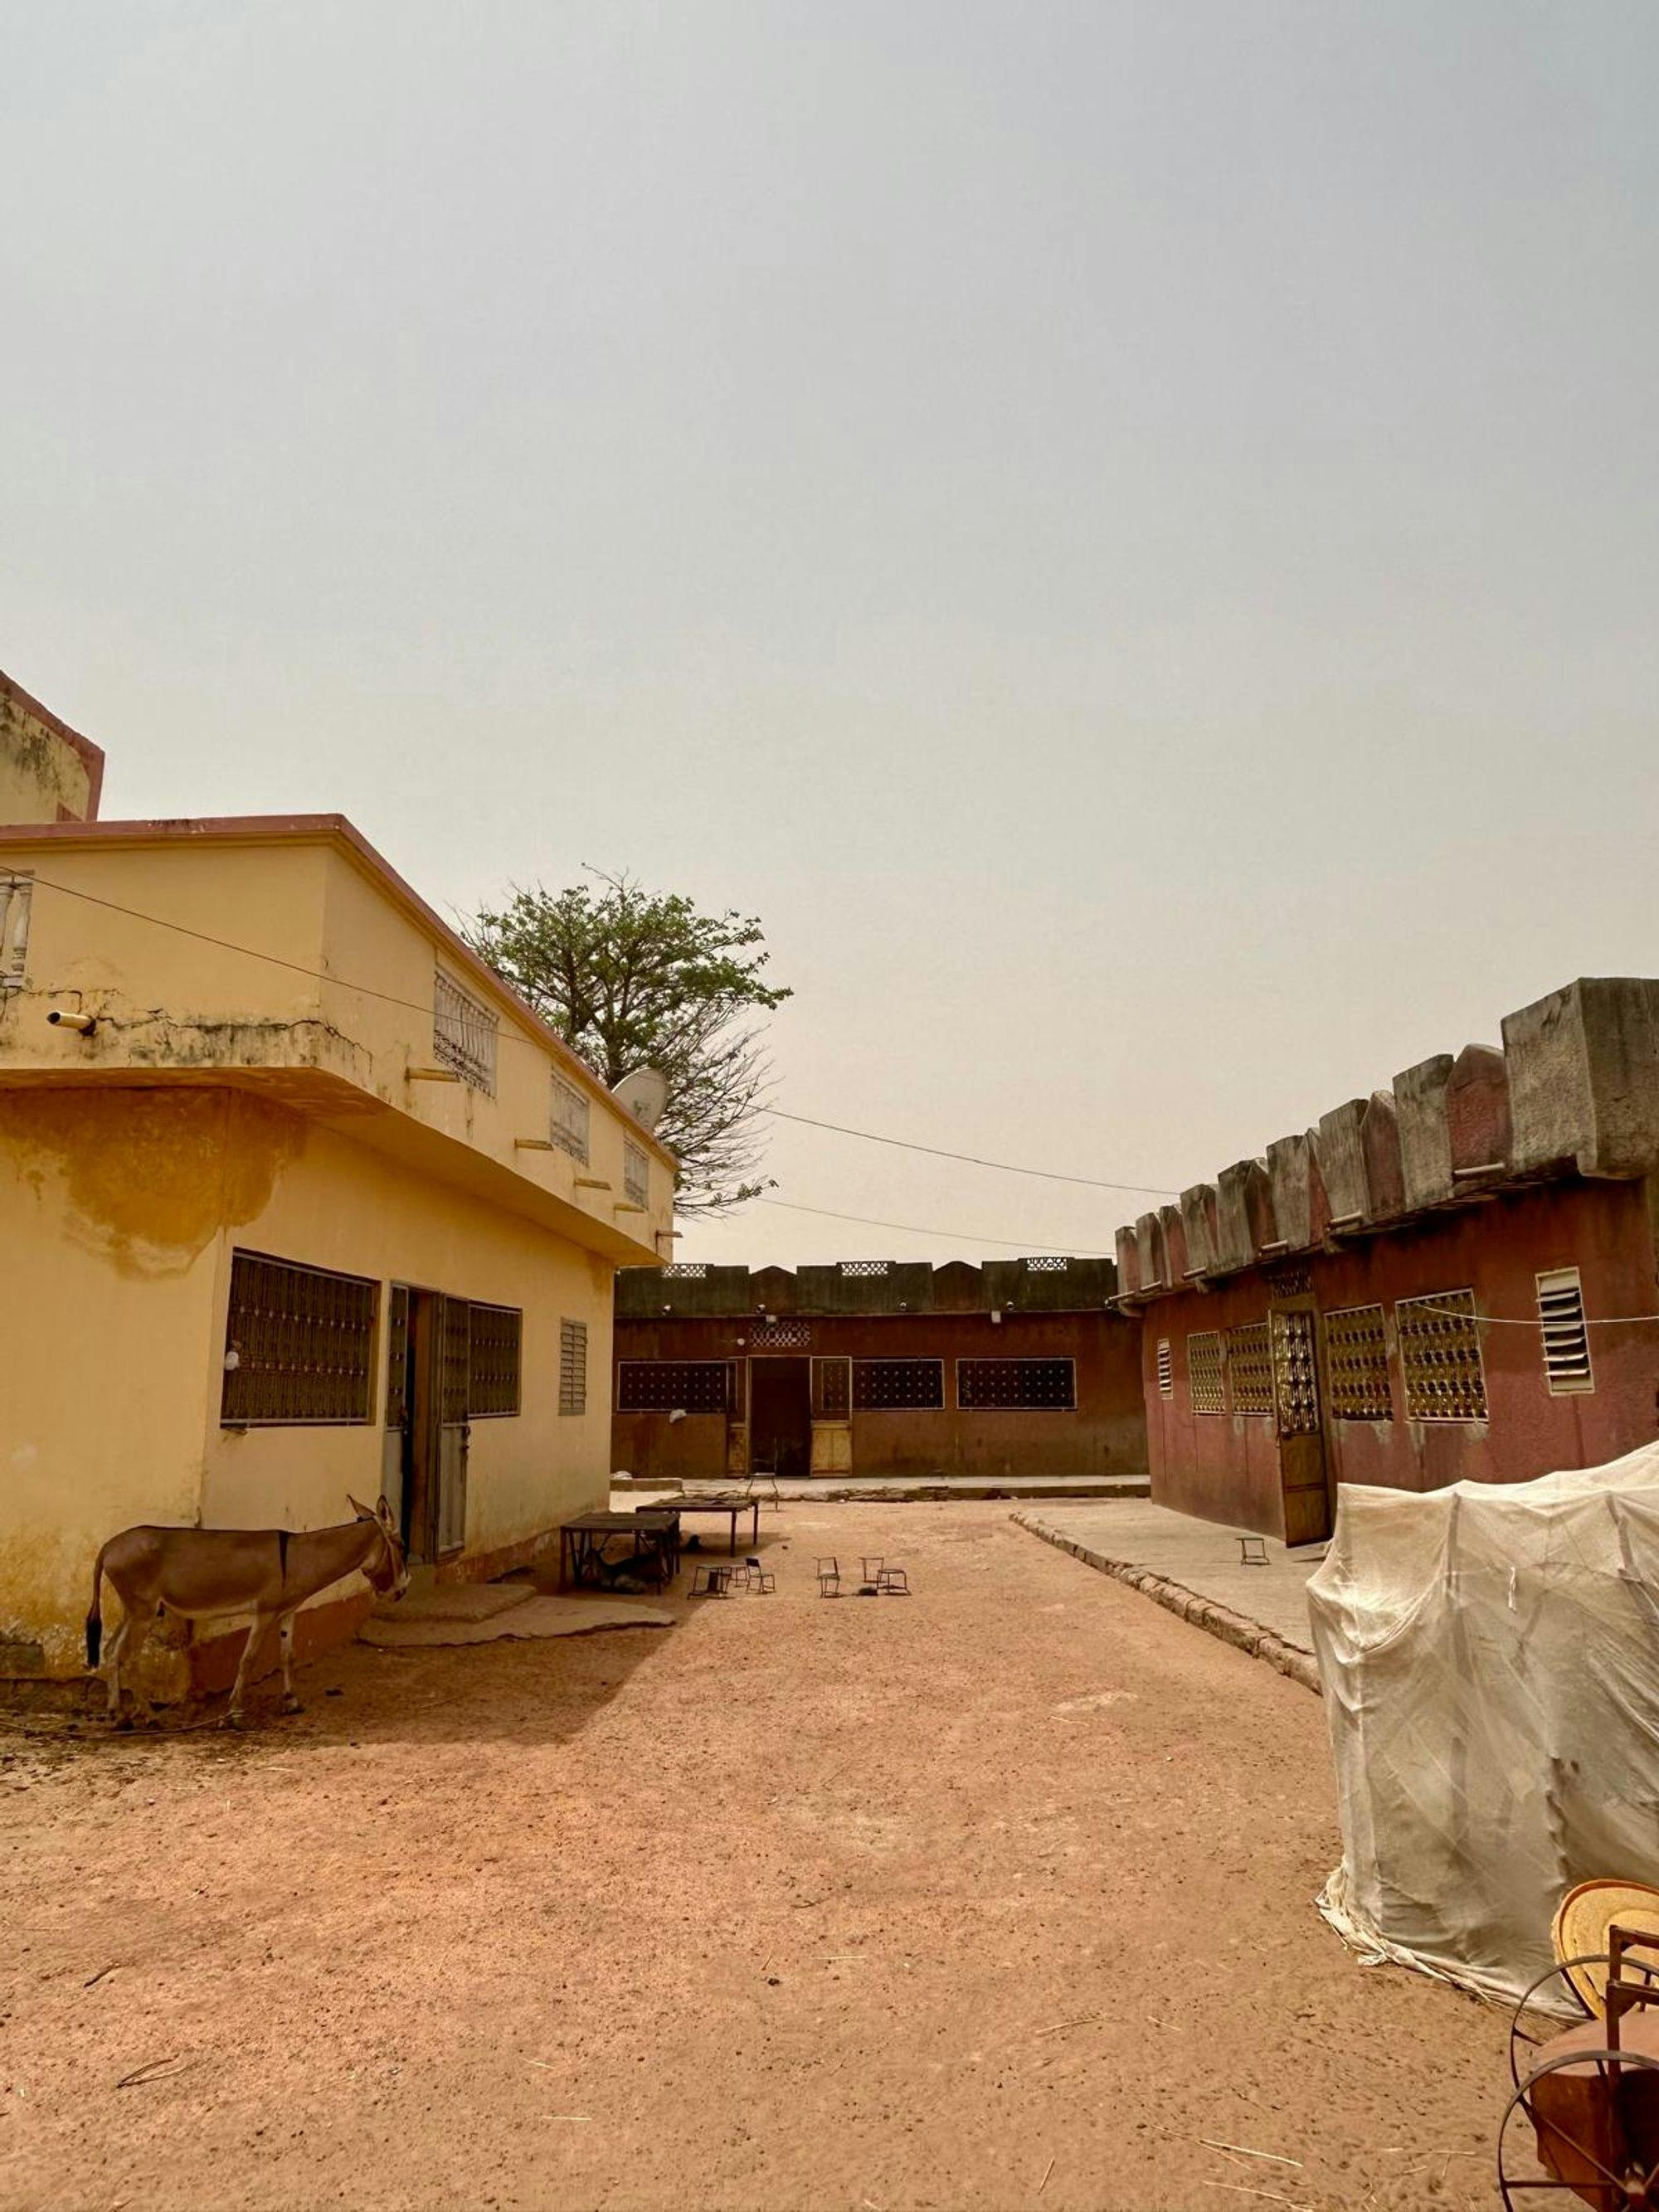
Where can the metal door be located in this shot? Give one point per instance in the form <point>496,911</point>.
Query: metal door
<point>454,1435</point>
<point>1298,1419</point>
<point>399,1395</point>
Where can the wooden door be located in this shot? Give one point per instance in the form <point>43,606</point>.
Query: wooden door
<point>1299,1422</point>
<point>832,1416</point>
<point>781,1416</point>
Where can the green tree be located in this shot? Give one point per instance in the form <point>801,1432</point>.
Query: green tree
<point>633,979</point>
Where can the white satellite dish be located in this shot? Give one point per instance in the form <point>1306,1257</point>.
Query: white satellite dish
<point>644,1093</point>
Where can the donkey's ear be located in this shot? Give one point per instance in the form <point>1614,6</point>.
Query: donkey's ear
<point>363,1512</point>
<point>385,1513</point>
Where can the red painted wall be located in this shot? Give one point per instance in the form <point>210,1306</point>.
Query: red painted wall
<point>1225,1466</point>
<point>1105,1435</point>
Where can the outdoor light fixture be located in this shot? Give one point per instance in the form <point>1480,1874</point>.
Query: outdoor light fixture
<point>82,1025</point>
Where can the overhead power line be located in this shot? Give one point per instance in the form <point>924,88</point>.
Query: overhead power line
<point>909,1229</point>
<point>972,1159</point>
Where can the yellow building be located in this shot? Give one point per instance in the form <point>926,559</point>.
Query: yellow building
<point>48,772</point>
<point>296,1198</point>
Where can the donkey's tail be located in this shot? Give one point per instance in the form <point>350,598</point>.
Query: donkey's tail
<point>95,1618</point>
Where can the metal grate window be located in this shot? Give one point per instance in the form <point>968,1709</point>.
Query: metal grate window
<point>496,1336</point>
<point>302,1341</point>
<point>464,1033</point>
<point>832,1389</point>
<point>1567,1368</point>
<point>865,1266</point>
<point>1296,1372</point>
<point>1440,1363</point>
<point>1165,1369</point>
<point>780,1335</point>
<point>16,893</point>
<point>1032,1385</point>
<point>686,1271</point>
<point>893,1385</point>
<point>637,1173</point>
<point>1250,1368</point>
<point>571,1116</point>
<point>1046,1264</point>
<point>573,1366</point>
<point>1357,1364</point>
<point>670,1386</point>
<point>1204,1373</point>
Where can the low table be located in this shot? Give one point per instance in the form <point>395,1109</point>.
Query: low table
<point>730,1503</point>
<point>656,1533</point>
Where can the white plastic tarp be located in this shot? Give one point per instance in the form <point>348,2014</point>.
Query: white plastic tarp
<point>1489,1658</point>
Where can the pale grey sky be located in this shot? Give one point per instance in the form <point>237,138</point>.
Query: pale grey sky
<point>1128,533</point>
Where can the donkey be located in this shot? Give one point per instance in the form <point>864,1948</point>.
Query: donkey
<point>195,1573</point>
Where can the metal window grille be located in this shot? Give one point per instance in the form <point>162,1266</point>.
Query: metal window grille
<point>304,1344</point>
<point>832,1389</point>
<point>865,1266</point>
<point>780,1335</point>
<point>1165,1369</point>
<point>670,1386</point>
<point>396,1356</point>
<point>455,1355</point>
<point>1032,1385</point>
<point>1204,1373</point>
<point>464,1033</point>
<point>496,1339</point>
<point>686,1271</point>
<point>573,1366</point>
<point>1296,1378</point>
<point>636,1173</point>
<point>1567,1368</point>
<point>1046,1263</point>
<point>16,894</point>
<point>1250,1368</point>
<point>895,1385</point>
<point>1357,1364</point>
<point>1440,1362</point>
<point>570,1120</point>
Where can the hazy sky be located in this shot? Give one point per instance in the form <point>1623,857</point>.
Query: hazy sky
<point>1127,533</point>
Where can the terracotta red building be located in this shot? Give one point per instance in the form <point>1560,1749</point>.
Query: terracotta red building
<point>877,1367</point>
<point>1414,1292</point>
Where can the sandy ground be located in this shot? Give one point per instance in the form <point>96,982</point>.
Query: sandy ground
<point>997,1897</point>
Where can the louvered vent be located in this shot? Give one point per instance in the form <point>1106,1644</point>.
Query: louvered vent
<point>1165,1369</point>
<point>1566,1339</point>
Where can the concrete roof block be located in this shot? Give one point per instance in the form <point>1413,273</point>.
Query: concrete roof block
<point>1478,1121</point>
<point>1154,1264</point>
<point>1340,1149</point>
<point>1379,1138</point>
<point>1289,1163</point>
<point>1426,1160</point>
<point>1174,1243</point>
<point>1198,1219</point>
<point>1583,1065</point>
<point>1244,1213</point>
<point>1128,1262</point>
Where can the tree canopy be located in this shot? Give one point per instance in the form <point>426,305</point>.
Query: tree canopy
<point>632,978</point>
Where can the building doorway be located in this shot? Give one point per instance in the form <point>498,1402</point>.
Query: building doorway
<point>1298,1421</point>
<point>425,1463</point>
<point>781,1416</point>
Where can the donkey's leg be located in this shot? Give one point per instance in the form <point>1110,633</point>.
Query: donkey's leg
<point>285,1631</point>
<point>256,1636</point>
<point>135,1634</point>
<point>113,1665</point>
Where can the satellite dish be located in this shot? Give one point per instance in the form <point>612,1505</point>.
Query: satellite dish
<point>644,1093</point>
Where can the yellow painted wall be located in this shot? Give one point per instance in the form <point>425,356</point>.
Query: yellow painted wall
<point>42,775</point>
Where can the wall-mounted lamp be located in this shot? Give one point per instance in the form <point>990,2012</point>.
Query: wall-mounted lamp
<point>82,1025</point>
<point>996,1313</point>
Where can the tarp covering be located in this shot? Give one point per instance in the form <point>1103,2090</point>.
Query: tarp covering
<point>1489,1658</point>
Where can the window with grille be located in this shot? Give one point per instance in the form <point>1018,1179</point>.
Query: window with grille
<point>896,1385</point>
<point>497,1335</point>
<point>670,1386</point>
<point>1250,1368</point>
<point>686,1271</point>
<point>832,1389</point>
<point>1030,1385</point>
<point>1048,1263</point>
<point>571,1115</point>
<point>1357,1364</point>
<point>303,1343</point>
<point>1204,1373</point>
<point>573,1366</point>
<point>637,1173</point>
<point>1440,1362</point>
<point>1165,1369</point>
<point>464,1033</point>
<point>1566,1339</point>
<point>865,1266</point>
<point>780,1335</point>
<point>16,895</point>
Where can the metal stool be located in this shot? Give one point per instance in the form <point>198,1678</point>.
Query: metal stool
<point>711,1582</point>
<point>893,1582</point>
<point>828,1574</point>
<point>1253,1558</point>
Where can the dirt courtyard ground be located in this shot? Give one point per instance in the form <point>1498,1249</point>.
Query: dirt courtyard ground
<point>998,1897</point>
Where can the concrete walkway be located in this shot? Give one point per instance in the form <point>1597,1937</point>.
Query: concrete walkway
<point>1193,1567</point>
<point>893,1490</point>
